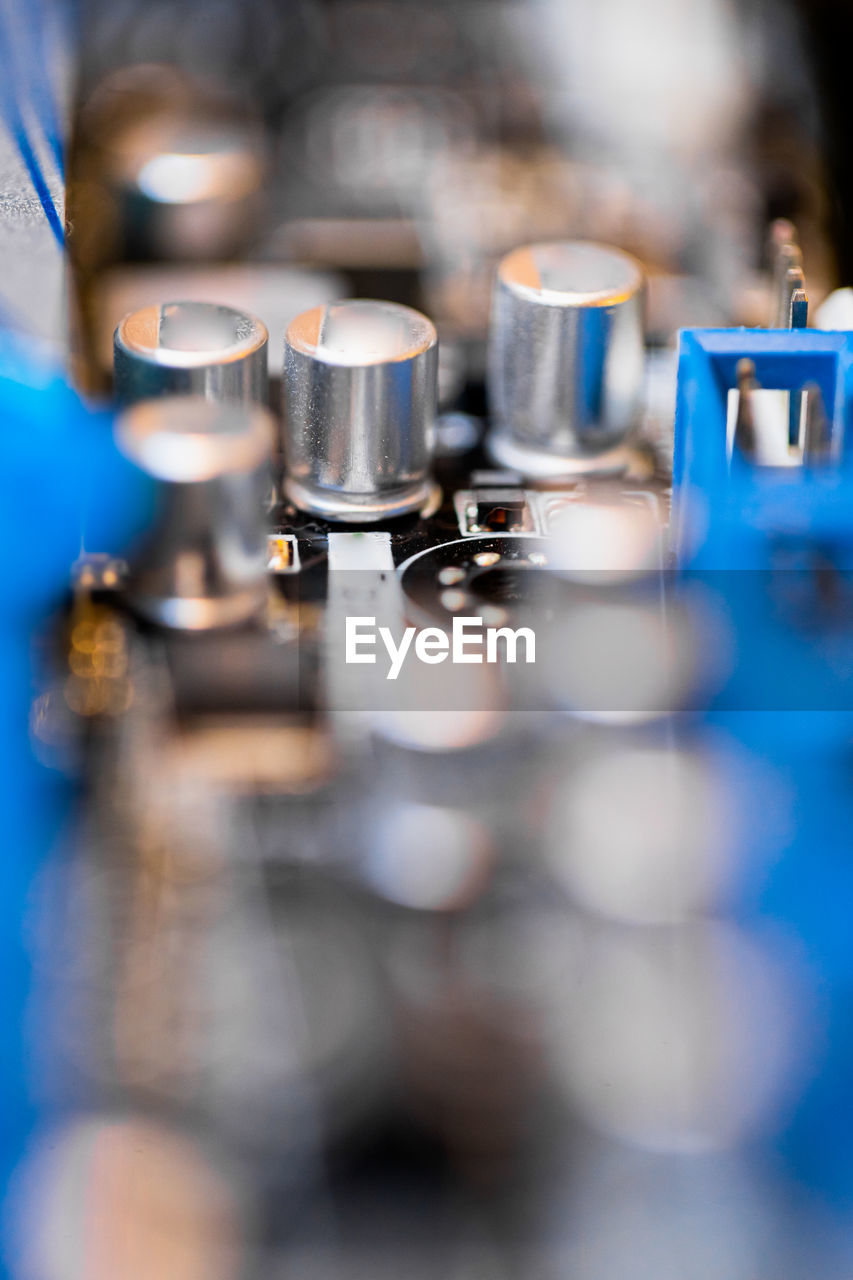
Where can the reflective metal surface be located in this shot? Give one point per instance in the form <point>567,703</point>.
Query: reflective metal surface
<point>359,407</point>
<point>191,347</point>
<point>183,164</point>
<point>204,564</point>
<point>565,356</point>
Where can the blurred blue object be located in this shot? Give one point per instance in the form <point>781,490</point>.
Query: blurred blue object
<point>63,483</point>
<point>773,547</point>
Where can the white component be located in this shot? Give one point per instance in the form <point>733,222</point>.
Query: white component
<point>361,551</point>
<point>362,584</point>
<point>836,311</point>
<point>771,410</point>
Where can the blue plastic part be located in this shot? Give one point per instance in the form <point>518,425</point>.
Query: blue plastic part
<point>765,542</point>
<point>732,516</point>
<point>62,481</point>
<point>757,539</point>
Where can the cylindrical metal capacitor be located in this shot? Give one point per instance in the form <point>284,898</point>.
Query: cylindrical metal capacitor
<point>204,564</point>
<point>359,410</point>
<point>565,372</point>
<point>195,348</point>
<point>185,176</point>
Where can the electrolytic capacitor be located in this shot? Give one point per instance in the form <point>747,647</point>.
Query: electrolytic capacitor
<point>566,356</point>
<point>204,564</point>
<point>192,348</point>
<point>185,176</point>
<point>359,410</point>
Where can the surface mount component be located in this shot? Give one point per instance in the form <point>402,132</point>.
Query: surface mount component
<point>565,357</point>
<point>198,348</point>
<point>498,511</point>
<point>205,564</point>
<point>359,410</point>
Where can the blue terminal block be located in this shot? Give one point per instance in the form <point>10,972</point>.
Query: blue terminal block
<point>771,548</point>
<point>772,545</point>
<point>729,512</point>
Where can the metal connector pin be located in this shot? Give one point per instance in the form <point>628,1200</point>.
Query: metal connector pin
<point>798,302</point>
<point>786,260</point>
<point>744,437</point>
<point>816,433</point>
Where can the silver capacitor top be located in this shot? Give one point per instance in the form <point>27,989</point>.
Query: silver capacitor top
<point>195,348</point>
<point>566,356</point>
<point>204,562</point>
<point>360,383</point>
